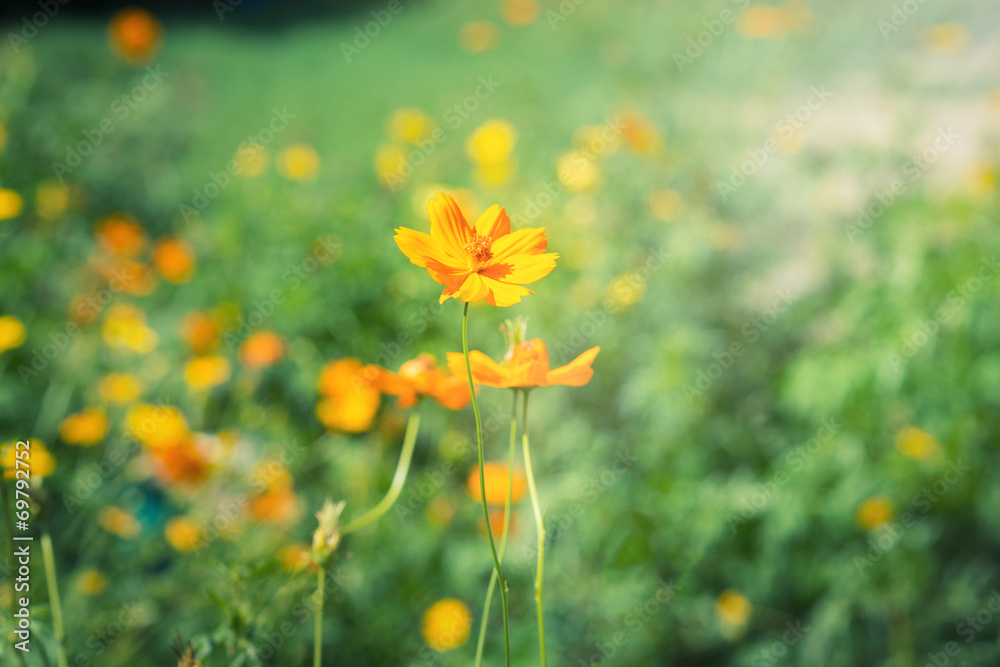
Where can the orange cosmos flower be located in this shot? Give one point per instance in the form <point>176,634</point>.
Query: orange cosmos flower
<point>134,34</point>
<point>526,365</point>
<point>421,377</point>
<point>482,262</point>
<point>351,399</point>
<point>173,260</point>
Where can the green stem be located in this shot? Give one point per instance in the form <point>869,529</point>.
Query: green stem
<point>503,538</point>
<point>398,480</point>
<point>533,492</point>
<point>320,592</point>
<point>53,585</point>
<point>482,483</point>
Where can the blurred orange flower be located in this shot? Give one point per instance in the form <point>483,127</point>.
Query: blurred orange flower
<point>296,557</point>
<point>496,523</point>
<point>496,478</point>
<point>207,372</point>
<point>179,463</point>
<point>639,133</point>
<point>87,427</point>
<point>275,506</point>
<point>118,521</point>
<point>134,34</point>
<point>874,512</point>
<point>481,262</point>
<point>120,234</point>
<point>527,365</point>
<point>200,332</point>
<point>421,377</point>
<point>350,396</point>
<point>173,260</point>
<point>479,36</point>
<point>262,349</point>
<point>520,12</point>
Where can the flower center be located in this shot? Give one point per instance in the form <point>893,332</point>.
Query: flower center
<point>479,248</point>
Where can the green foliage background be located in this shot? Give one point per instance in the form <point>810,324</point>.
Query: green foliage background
<point>679,515</point>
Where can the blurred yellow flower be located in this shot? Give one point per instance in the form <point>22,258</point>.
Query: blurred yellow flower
<point>595,139</point>
<point>87,427</point>
<point>733,609</point>
<point>446,624</point>
<point>295,557</point>
<point>350,398</point>
<point>772,22</point>
<point>409,125</point>
<point>492,142</point>
<point>173,260</point>
<point>118,521</point>
<point>52,199</point>
<point>207,372</point>
<point>665,204</point>
<point>10,204</point>
<point>182,534</point>
<point>119,388</point>
<point>639,133</point>
<point>298,162</point>
<point>200,332</point>
<point>251,161</point>
<point>91,582</point>
<point>40,462</point>
<point>520,12</point>
<point>120,234</point>
<point>496,478</point>
<point>157,426</point>
<point>125,328</point>
<point>134,34</point>
<point>874,512</point>
<point>577,171</point>
<point>918,444</point>
<point>981,179</point>
<point>479,36</point>
<point>391,166</point>
<point>12,333</point>
<point>946,38</point>
<point>262,349</point>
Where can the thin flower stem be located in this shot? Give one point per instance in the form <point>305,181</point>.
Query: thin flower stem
<point>482,483</point>
<point>318,644</point>
<point>53,586</point>
<point>533,492</point>
<point>503,537</point>
<point>398,480</point>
